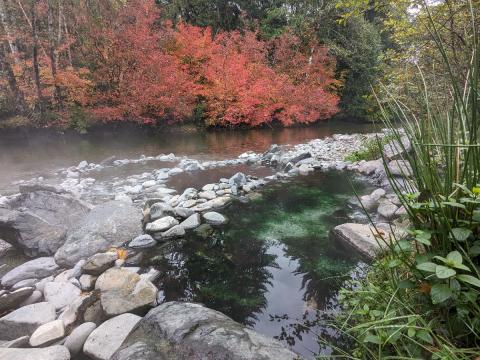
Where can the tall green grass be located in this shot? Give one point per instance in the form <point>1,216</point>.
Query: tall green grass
<point>422,299</point>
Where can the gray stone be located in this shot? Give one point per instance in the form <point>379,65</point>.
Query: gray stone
<point>87,282</point>
<point>174,232</point>
<point>40,286</point>
<point>159,210</point>
<point>368,202</point>
<point>370,167</point>
<point>21,342</point>
<point>378,194</point>
<point>123,291</point>
<point>239,179</point>
<point>387,210</point>
<point>400,168</point>
<point>183,212</point>
<point>47,333</point>
<point>37,222</point>
<point>142,241</point>
<point>56,352</point>
<point>209,195</point>
<point>299,157</point>
<point>4,247</point>
<point>25,320</point>
<point>396,149</point>
<point>217,203</point>
<point>98,263</point>
<point>29,188</point>
<point>192,222</point>
<point>34,298</point>
<point>108,225</point>
<point>60,294</point>
<point>76,312</point>
<point>162,224</point>
<point>105,340</point>
<point>10,300</point>
<point>37,268</point>
<point>184,329</point>
<point>75,341</point>
<point>363,238</point>
<point>214,218</point>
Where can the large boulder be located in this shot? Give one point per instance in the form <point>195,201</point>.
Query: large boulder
<point>363,238</point>
<point>25,320</point>
<point>108,225</point>
<point>124,291</point>
<point>56,352</point>
<point>192,331</point>
<point>37,268</point>
<point>38,221</point>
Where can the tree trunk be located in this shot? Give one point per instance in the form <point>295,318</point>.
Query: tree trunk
<point>4,19</point>
<point>36,70</point>
<point>51,52</point>
<point>20,105</point>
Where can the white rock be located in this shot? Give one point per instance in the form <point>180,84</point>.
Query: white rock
<point>102,343</point>
<point>192,222</point>
<point>47,333</point>
<point>61,294</point>
<point>87,282</point>
<point>162,224</point>
<point>214,218</point>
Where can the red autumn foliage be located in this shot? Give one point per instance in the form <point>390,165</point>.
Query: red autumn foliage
<point>137,78</point>
<point>151,72</point>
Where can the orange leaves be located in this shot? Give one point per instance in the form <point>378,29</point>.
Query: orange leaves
<point>150,71</point>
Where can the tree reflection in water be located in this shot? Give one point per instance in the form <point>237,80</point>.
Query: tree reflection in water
<point>273,267</point>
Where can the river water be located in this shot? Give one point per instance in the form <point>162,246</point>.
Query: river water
<point>273,267</point>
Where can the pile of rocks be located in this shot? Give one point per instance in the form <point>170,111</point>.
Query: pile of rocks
<point>94,307</point>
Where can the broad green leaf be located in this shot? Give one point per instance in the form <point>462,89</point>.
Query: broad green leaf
<point>455,257</point>
<point>474,251</point>
<point>461,234</point>
<point>444,272</point>
<point>440,293</point>
<point>394,263</point>
<point>424,237</point>
<point>427,266</point>
<point>476,216</point>
<point>461,267</point>
<point>411,332</point>
<point>425,336</point>
<point>469,279</point>
<point>372,339</point>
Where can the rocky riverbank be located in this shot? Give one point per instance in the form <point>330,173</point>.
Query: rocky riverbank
<point>85,292</point>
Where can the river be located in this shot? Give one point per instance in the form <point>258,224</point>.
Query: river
<point>273,267</point>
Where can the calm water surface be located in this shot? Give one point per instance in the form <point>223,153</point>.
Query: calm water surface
<point>273,267</point>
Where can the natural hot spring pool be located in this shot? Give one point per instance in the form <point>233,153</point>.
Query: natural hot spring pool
<point>273,266</point>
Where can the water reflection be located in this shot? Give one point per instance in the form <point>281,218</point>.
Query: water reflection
<point>273,267</point>
<point>26,155</point>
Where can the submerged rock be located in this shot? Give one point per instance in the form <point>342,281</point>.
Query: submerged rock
<point>108,225</point>
<point>37,222</point>
<point>184,329</point>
